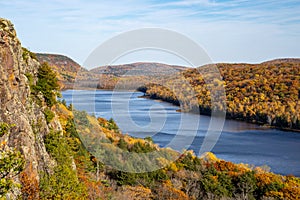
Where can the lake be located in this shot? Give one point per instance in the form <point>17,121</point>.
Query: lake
<point>239,142</point>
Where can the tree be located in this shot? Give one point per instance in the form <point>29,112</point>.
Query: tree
<point>47,84</point>
<point>63,183</point>
<point>246,185</point>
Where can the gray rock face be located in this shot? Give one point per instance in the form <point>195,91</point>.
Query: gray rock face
<point>17,105</point>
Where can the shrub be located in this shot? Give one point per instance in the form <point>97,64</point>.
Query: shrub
<point>112,125</point>
<point>146,179</point>
<point>49,115</point>
<point>149,139</point>
<point>122,144</point>
<point>28,54</point>
<point>30,185</point>
<point>4,128</point>
<point>219,185</point>
<point>81,118</point>
<point>11,164</point>
<point>139,147</point>
<point>245,184</point>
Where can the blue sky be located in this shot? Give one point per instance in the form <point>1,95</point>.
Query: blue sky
<point>229,30</point>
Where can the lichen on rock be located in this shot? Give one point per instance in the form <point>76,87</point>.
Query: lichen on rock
<point>19,108</point>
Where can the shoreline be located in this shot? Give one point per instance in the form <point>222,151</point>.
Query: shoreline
<point>236,162</point>
<point>234,119</point>
<point>227,118</point>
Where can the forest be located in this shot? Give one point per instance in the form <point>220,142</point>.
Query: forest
<point>267,93</point>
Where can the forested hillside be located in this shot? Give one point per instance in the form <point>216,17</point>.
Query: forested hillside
<point>126,77</point>
<point>188,177</point>
<point>266,93</point>
<point>67,70</point>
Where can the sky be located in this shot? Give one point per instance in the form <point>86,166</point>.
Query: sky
<point>228,30</point>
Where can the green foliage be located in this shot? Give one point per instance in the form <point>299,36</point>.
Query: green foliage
<point>139,147</point>
<point>70,107</point>
<point>273,186</point>
<point>30,80</point>
<point>28,54</point>
<point>73,138</point>
<point>64,102</point>
<point>49,115</point>
<point>81,118</point>
<point>246,184</point>
<point>63,183</point>
<point>47,84</point>
<point>122,144</point>
<point>4,128</point>
<point>149,139</point>
<point>216,183</point>
<point>71,128</point>
<point>11,164</point>
<point>190,162</point>
<point>57,146</point>
<point>112,125</point>
<point>146,179</point>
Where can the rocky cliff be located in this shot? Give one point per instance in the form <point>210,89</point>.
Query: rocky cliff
<point>19,109</point>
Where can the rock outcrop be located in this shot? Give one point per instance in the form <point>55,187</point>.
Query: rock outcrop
<point>19,108</point>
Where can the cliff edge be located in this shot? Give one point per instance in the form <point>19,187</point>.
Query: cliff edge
<point>19,110</point>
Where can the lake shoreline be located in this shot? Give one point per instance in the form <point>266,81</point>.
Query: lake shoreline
<point>229,118</point>
<point>241,142</point>
<point>179,110</point>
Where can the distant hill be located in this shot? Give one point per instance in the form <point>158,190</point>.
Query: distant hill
<point>283,60</point>
<point>64,62</point>
<point>66,68</point>
<point>105,77</point>
<point>139,68</point>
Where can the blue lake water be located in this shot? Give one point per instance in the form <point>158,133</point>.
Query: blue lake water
<point>238,142</point>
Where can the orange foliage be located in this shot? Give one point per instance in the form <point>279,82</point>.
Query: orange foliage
<point>30,185</point>
<point>135,193</point>
<point>94,187</point>
<point>168,192</point>
<point>291,189</point>
<point>223,165</point>
<point>267,178</point>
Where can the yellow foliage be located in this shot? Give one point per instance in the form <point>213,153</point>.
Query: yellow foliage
<point>275,194</point>
<point>210,157</point>
<point>63,113</point>
<point>173,167</point>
